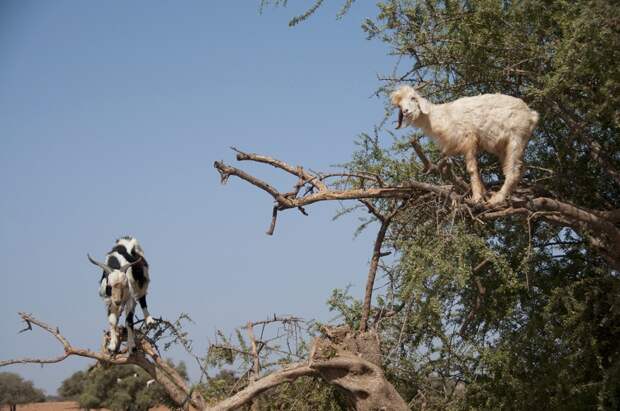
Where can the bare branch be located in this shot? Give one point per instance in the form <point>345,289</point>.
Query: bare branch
<point>481,293</point>
<point>284,320</point>
<point>599,226</point>
<point>34,360</point>
<point>226,171</point>
<point>372,272</point>
<point>296,171</point>
<point>274,217</point>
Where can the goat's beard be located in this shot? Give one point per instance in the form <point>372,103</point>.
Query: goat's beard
<point>406,120</point>
<point>400,119</point>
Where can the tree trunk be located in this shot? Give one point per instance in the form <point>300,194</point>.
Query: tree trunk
<point>352,362</point>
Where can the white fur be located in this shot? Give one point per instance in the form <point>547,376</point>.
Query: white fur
<point>496,123</point>
<point>113,320</point>
<point>116,307</point>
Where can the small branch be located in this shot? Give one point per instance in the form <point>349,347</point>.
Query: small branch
<point>274,217</point>
<point>296,171</point>
<point>382,313</point>
<point>428,166</point>
<point>226,171</point>
<point>372,272</point>
<point>255,351</point>
<point>283,320</point>
<point>481,293</point>
<point>68,349</point>
<point>34,360</point>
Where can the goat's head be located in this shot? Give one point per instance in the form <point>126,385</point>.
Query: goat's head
<point>117,280</point>
<point>130,244</point>
<point>410,104</point>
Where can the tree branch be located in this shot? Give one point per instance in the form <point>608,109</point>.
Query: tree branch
<point>599,226</point>
<point>288,374</point>
<point>154,364</point>
<point>363,381</point>
<point>296,171</point>
<point>372,272</point>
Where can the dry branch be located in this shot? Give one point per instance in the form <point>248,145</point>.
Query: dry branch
<point>146,357</point>
<point>598,226</point>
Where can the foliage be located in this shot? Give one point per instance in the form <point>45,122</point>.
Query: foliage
<point>15,390</point>
<point>117,388</point>
<point>309,12</point>
<point>72,387</point>
<point>303,394</point>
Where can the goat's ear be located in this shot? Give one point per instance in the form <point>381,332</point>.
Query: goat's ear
<point>425,105</point>
<point>395,97</point>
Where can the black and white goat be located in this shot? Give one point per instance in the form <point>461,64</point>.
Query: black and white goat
<point>125,280</point>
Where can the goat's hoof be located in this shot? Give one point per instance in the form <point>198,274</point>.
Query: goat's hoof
<point>496,200</point>
<point>149,321</point>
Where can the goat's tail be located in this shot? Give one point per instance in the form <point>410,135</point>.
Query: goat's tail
<point>534,117</point>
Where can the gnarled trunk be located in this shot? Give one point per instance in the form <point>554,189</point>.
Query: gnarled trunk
<point>352,362</point>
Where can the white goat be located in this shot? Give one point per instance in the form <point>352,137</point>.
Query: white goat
<point>124,281</point>
<point>496,123</point>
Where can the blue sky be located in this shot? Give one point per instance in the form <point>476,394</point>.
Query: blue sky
<point>112,114</point>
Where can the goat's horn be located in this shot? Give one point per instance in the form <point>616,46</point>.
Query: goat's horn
<point>105,268</point>
<point>400,119</point>
<point>126,266</point>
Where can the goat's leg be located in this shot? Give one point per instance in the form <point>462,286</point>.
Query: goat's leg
<point>113,320</point>
<point>147,317</point>
<point>512,172</point>
<point>477,188</point>
<point>130,338</point>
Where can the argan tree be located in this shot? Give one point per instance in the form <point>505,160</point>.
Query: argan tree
<point>116,388</point>
<point>14,390</point>
<point>465,305</point>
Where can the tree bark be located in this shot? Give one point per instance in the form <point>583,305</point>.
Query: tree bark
<point>372,272</point>
<point>352,362</point>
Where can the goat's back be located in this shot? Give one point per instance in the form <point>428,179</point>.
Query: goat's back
<point>137,274</point>
<point>497,119</point>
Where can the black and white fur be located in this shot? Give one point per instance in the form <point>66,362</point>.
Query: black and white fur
<point>127,254</point>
